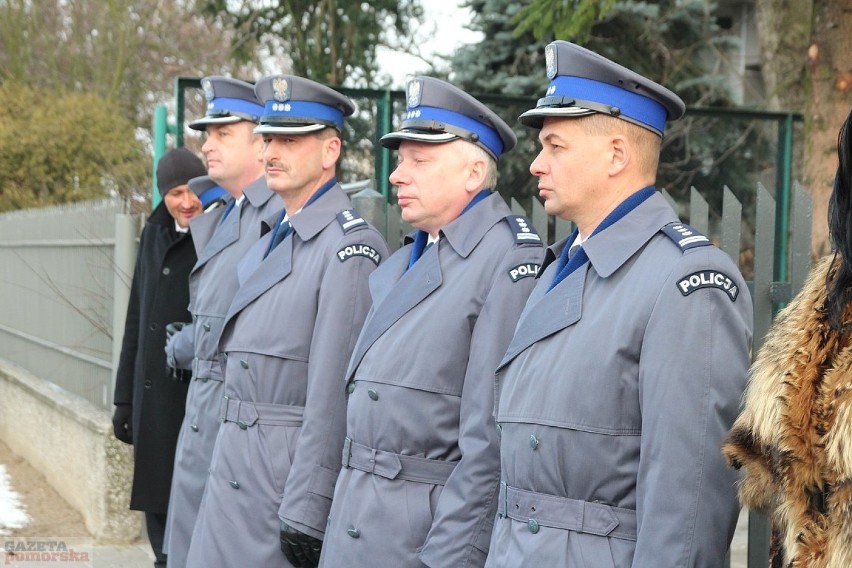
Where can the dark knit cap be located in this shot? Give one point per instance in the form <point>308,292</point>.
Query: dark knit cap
<point>177,167</point>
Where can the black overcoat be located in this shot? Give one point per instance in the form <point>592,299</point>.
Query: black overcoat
<point>159,295</point>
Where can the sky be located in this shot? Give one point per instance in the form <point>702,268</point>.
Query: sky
<point>442,33</point>
<point>12,515</point>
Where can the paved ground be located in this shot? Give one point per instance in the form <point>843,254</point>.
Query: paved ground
<point>56,529</point>
<point>739,545</point>
<point>55,534</point>
<point>139,555</point>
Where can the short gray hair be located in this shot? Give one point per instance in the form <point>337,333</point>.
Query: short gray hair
<point>476,152</point>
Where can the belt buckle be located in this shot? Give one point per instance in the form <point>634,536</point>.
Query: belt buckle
<point>347,451</point>
<point>223,409</point>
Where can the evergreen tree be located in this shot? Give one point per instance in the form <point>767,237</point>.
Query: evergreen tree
<point>503,65</point>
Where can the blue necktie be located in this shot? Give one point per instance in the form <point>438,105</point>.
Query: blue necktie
<point>282,229</point>
<point>568,265</point>
<point>228,210</point>
<point>421,238</point>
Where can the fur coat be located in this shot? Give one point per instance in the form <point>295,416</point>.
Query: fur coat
<point>793,438</point>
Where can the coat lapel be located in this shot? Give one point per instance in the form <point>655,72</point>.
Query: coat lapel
<point>547,313</point>
<point>257,275</point>
<point>225,234</point>
<point>202,228</point>
<point>399,298</point>
<point>396,291</point>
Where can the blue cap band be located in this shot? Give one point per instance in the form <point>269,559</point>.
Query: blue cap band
<point>632,105</point>
<point>306,111</point>
<point>212,194</point>
<point>223,104</point>
<point>487,136</point>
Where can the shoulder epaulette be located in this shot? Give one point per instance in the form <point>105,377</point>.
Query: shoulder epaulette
<point>523,229</point>
<point>684,236</point>
<point>350,220</point>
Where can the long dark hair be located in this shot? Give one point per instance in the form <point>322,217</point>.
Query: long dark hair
<point>840,229</point>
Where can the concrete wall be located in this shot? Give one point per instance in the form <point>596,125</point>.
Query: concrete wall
<point>70,441</point>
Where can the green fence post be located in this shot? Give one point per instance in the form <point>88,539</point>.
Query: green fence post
<point>160,131</point>
<point>383,126</point>
<point>782,196</point>
<point>181,86</point>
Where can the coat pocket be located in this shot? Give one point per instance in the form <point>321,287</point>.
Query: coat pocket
<point>590,550</point>
<point>418,501</point>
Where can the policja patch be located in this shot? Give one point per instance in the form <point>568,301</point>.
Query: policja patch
<point>708,279</point>
<point>526,270</point>
<point>348,252</point>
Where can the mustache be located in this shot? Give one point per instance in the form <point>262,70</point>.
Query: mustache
<point>279,165</point>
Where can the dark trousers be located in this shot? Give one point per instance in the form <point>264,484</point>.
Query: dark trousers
<point>156,525</point>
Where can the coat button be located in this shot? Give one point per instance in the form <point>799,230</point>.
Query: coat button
<point>373,394</point>
<point>350,388</point>
<point>154,326</point>
<point>242,425</point>
<point>147,384</point>
<point>533,526</point>
<point>236,485</point>
<point>243,363</point>
<point>203,379</point>
<point>353,532</point>
<point>533,441</point>
<point>194,427</point>
<point>205,326</point>
<point>166,271</point>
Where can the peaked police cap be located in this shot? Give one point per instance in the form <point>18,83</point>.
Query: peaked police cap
<point>583,82</point>
<point>228,101</point>
<point>438,112</point>
<point>295,105</point>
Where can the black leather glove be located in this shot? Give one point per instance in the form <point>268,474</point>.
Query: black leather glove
<point>302,550</point>
<point>122,423</point>
<point>178,375</point>
<point>173,328</point>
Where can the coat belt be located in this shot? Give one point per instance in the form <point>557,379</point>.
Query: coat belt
<point>565,513</point>
<point>396,466</point>
<point>204,369</point>
<point>246,413</point>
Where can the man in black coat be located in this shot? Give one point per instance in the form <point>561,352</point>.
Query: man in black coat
<point>149,404</point>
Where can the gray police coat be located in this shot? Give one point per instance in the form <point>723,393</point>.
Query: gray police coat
<point>288,336</point>
<point>212,285</point>
<point>614,398</point>
<point>420,403</point>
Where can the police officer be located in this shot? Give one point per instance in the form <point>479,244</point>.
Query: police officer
<point>629,360</point>
<point>288,335</point>
<point>149,405</point>
<point>420,458</point>
<point>221,237</point>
